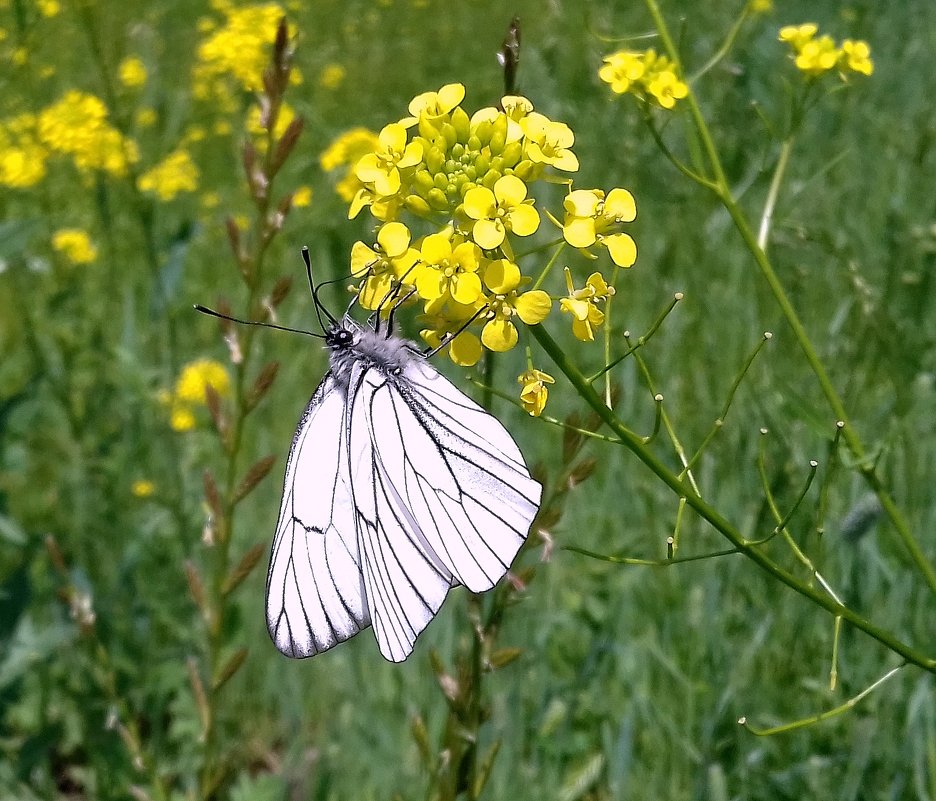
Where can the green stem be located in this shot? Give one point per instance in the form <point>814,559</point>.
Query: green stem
<point>723,191</point>
<point>712,515</point>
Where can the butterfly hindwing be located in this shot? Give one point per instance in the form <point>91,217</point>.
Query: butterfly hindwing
<point>315,592</point>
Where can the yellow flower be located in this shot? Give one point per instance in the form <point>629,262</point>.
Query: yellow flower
<point>75,245</point>
<point>582,305</point>
<point>237,49</point>
<point>49,8</point>
<point>502,277</point>
<point>302,197</point>
<point>433,105</point>
<point>381,169</point>
<point>143,488</point>
<point>817,56</point>
<point>549,142</point>
<point>503,209</point>
<point>856,56</point>
<point>77,125</point>
<point>448,271</point>
<point>590,216</point>
<point>348,148</point>
<point>667,88</point>
<point>760,6</point>
<point>195,377</point>
<point>332,76</point>
<point>182,419</point>
<point>175,174</point>
<point>132,72</point>
<point>145,117</point>
<point>384,267</point>
<point>534,392</point>
<point>622,70</point>
<point>22,158</point>
<point>797,35</point>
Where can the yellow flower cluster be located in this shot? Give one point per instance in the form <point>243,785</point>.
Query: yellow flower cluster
<point>77,126</point>
<point>22,157</point>
<point>132,72</point>
<point>175,174</point>
<point>191,391</point>
<point>816,55</point>
<point>143,488</point>
<point>75,245</point>
<point>346,151</point>
<point>472,176</point>
<point>237,49</point>
<point>649,76</point>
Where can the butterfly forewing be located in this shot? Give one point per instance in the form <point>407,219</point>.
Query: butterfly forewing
<point>315,593</point>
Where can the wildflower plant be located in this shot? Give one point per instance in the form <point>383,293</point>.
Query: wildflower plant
<point>472,176</point>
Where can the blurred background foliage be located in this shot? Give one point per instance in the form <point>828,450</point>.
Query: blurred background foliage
<point>630,680</point>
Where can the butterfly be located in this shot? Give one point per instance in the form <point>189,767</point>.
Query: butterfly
<point>398,487</point>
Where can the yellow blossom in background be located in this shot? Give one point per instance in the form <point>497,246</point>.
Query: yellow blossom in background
<point>649,76</point>
<point>332,76</point>
<point>196,376</point>
<point>132,72</point>
<point>75,245</point>
<point>302,197</point>
<point>22,157</point>
<point>238,49</point>
<point>145,117</point>
<point>210,200</point>
<point>222,128</point>
<point>856,56</point>
<point>175,174</point>
<point>816,55</point>
<point>534,393</point>
<point>77,125</point>
<point>182,418</point>
<point>143,488</point>
<point>760,6</point>
<point>345,151</point>
<point>49,8</point>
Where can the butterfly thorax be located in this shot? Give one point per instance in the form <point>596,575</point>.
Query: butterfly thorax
<point>349,344</point>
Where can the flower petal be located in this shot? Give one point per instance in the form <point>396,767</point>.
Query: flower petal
<point>466,287</point>
<point>501,276</point>
<point>580,232</point>
<point>510,191</point>
<point>622,248</point>
<point>524,219</point>
<point>499,335</point>
<point>489,234</point>
<point>533,306</point>
<point>465,349</point>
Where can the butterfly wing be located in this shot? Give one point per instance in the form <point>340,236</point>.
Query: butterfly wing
<point>315,591</point>
<point>453,500</point>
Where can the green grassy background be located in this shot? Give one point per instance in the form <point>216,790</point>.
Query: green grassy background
<point>631,679</point>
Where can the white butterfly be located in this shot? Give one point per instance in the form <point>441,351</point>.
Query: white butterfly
<point>398,487</point>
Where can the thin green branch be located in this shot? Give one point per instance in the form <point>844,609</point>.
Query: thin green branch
<point>722,190</point>
<point>712,515</point>
<point>830,713</point>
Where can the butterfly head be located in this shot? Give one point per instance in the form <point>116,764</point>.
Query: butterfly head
<point>339,337</point>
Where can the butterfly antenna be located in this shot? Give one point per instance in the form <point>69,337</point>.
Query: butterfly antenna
<point>319,306</point>
<point>213,313</point>
<point>449,337</point>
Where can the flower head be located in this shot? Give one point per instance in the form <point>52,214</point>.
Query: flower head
<point>582,304</point>
<point>143,488</point>
<point>75,245</point>
<point>195,378</point>
<point>502,277</point>
<point>505,208</point>
<point>175,174</point>
<point>132,72</point>
<point>591,217</point>
<point>534,392</point>
<point>649,76</point>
